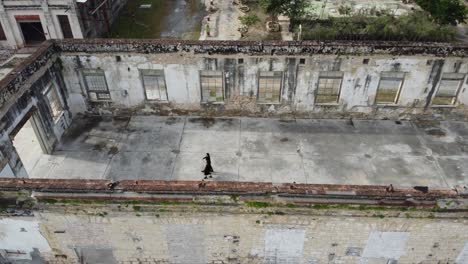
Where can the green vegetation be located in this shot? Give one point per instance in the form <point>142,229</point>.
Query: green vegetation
<point>413,27</point>
<point>445,12</point>
<point>257,204</point>
<point>293,9</point>
<point>136,208</point>
<point>249,20</point>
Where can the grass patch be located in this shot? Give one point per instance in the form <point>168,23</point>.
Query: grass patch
<point>136,208</point>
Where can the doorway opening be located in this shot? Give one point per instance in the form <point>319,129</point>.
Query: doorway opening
<point>33,33</point>
<point>29,145</point>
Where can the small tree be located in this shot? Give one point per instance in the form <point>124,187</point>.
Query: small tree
<point>294,9</point>
<point>445,12</point>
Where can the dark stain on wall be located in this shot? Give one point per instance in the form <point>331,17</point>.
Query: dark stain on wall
<point>230,71</point>
<point>434,77</point>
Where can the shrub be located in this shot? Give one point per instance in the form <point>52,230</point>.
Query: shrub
<point>412,27</point>
<point>249,20</point>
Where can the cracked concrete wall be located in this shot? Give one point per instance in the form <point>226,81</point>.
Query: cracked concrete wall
<point>299,86</point>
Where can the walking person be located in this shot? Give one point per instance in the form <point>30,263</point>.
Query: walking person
<point>208,169</point>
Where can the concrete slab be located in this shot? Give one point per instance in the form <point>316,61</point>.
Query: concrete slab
<point>263,150</point>
<point>141,166</point>
<point>338,170</point>
<point>81,165</point>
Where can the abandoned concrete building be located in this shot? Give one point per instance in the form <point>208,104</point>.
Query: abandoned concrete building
<point>92,128</point>
<point>26,23</point>
<point>378,81</point>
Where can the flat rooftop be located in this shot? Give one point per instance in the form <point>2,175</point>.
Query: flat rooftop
<point>357,152</point>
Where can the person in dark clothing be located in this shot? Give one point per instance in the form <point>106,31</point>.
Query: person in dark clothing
<point>208,169</point>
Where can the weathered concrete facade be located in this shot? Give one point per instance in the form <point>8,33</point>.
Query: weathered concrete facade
<point>99,221</point>
<point>290,79</point>
<point>55,19</point>
<point>301,67</point>
<point>23,99</point>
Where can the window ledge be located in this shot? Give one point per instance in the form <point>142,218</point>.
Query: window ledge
<point>213,103</point>
<point>100,101</point>
<point>158,101</point>
<point>272,103</point>
<point>387,105</point>
<point>327,104</point>
<point>443,106</point>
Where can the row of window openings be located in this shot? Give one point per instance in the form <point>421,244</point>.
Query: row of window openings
<point>270,85</point>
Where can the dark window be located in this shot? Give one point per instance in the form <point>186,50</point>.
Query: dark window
<point>2,33</point>
<point>33,33</point>
<point>65,26</point>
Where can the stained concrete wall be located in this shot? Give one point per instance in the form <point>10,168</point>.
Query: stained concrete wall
<point>300,82</point>
<point>128,235</point>
<point>181,61</point>
<point>23,98</point>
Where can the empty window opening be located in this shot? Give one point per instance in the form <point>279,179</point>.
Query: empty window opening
<point>54,102</point>
<point>302,61</point>
<point>269,87</point>
<point>96,85</point>
<point>329,87</point>
<point>31,29</point>
<point>449,86</point>
<point>65,26</point>
<point>240,61</point>
<point>28,145</point>
<point>2,33</point>
<point>389,87</point>
<point>154,84</point>
<point>212,86</point>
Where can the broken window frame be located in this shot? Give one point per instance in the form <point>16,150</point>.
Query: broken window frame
<point>212,78</point>
<point>329,76</point>
<point>458,77</point>
<point>275,78</point>
<point>160,81</point>
<point>101,95</point>
<point>54,101</point>
<point>390,76</point>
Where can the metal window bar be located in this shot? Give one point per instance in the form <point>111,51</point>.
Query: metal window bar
<point>96,85</point>
<point>447,92</point>
<point>269,87</point>
<point>53,99</point>
<point>212,86</point>
<point>155,85</point>
<point>389,88</point>
<point>329,87</point>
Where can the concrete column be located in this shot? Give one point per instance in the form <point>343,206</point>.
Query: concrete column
<point>76,25</point>
<point>7,28</point>
<point>49,22</point>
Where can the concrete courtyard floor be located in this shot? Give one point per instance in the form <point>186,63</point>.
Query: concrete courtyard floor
<point>358,152</point>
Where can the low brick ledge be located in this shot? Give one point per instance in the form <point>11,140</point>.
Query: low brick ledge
<point>80,186</point>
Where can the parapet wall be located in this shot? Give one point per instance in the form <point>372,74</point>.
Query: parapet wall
<point>268,48</point>
<point>206,192</point>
